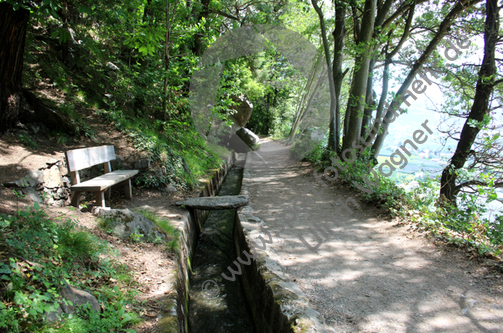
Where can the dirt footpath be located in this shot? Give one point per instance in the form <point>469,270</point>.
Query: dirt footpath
<point>368,274</point>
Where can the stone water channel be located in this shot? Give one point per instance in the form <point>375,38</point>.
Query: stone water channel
<point>220,307</point>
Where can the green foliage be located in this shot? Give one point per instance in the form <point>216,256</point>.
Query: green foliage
<point>270,83</point>
<point>461,226</point>
<point>387,194</point>
<point>45,255</point>
<point>310,149</point>
<point>136,236</point>
<point>166,143</point>
<point>169,229</point>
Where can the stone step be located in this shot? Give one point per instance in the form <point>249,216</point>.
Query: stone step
<point>215,203</point>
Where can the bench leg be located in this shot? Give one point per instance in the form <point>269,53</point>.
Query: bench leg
<point>128,189</point>
<point>100,199</point>
<point>108,193</point>
<point>75,199</point>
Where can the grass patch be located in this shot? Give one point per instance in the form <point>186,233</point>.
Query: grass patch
<point>105,224</point>
<point>167,227</point>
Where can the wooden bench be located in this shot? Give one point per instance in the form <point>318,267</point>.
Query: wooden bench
<point>79,159</point>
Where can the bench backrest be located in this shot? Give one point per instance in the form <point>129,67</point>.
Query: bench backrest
<point>83,158</point>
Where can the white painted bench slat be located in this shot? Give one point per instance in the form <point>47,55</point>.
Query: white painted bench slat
<point>101,183</point>
<point>84,158</point>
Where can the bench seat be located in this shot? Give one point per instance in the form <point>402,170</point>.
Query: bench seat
<point>105,181</point>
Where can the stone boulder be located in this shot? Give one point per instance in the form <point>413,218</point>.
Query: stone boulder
<point>244,110</point>
<point>215,203</point>
<point>32,195</point>
<point>77,298</point>
<point>250,138</point>
<point>124,223</point>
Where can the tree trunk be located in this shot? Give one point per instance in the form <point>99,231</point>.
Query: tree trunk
<point>359,88</point>
<point>384,92</point>
<point>13,26</point>
<point>480,106</point>
<point>331,140</point>
<point>387,61</point>
<point>339,35</point>
<point>369,98</point>
<point>198,48</point>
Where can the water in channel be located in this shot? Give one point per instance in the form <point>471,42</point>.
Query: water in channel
<point>216,304</point>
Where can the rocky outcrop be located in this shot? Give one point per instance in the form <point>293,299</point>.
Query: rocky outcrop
<point>49,185</point>
<point>126,224</point>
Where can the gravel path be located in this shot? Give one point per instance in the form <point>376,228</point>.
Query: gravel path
<point>368,274</point>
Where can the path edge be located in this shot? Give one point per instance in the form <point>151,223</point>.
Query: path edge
<point>292,301</point>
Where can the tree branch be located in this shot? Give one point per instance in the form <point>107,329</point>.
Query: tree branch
<point>229,16</point>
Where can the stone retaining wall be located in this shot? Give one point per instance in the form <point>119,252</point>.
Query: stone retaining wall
<point>266,312</point>
<point>190,226</point>
<point>49,184</point>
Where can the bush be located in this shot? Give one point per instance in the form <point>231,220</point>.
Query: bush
<point>461,226</point>
<point>387,194</point>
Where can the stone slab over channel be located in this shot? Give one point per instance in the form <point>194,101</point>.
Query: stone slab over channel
<point>215,203</point>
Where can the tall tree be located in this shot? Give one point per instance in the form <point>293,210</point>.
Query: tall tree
<point>339,35</point>
<point>479,110</point>
<point>332,143</point>
<point>443,29</point>
<point>354,112</point>
<point>13,24</point>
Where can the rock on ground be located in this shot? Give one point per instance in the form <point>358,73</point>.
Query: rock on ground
<point>124,224</point>
<point>77,297</point>
<point>73,298</point>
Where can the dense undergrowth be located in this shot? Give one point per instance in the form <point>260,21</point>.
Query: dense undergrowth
<point>38,256</point>
<point>126,93</point>
<point>462,226</point>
